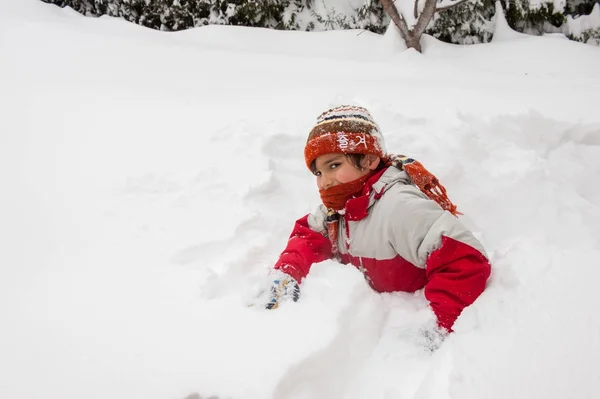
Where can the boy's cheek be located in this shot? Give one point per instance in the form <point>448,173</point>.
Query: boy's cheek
<point>345,176</point>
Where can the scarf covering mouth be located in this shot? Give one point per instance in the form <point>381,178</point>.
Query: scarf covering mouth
<point>335,198</point>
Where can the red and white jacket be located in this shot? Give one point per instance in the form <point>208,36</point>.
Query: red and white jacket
<point>401,241</point>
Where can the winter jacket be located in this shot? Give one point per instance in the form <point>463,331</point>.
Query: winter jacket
<point>401,241</point>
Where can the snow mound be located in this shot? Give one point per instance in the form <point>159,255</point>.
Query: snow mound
<point>150,180</point>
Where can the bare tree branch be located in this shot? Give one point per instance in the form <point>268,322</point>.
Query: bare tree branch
<point>399,21</point>
<point>416,10</point>
<point>449,6</point>
<point>425,17</point>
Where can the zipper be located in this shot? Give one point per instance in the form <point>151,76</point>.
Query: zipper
<point>347,240</point>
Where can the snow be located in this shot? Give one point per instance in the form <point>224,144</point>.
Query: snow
<point>150,179</point>
<point>576,26</point>
<point>502,31</point>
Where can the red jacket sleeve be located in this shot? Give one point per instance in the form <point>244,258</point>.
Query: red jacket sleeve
<point>456,276</point>
<point>304,248</point>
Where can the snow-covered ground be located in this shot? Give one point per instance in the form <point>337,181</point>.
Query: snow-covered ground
<point>150,179</point>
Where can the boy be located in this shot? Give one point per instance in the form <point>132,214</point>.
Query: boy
<point>386,215</point>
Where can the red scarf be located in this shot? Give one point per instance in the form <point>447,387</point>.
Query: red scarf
<point>424,180</point>
<point>336,197</point>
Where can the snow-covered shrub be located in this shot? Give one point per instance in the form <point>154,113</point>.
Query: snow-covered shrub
<point>535,17</point>
<point>467,23</point>
<point>277,14</point>
<point>370,16</point>
<point>578,19</point>
<point>259,13</point>
<point>585,28</point>
<point>471,22</point>
<point>576,8</point>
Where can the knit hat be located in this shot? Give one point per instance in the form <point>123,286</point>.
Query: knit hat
<point>345,129</point>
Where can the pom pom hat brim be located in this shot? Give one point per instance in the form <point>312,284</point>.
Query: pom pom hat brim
<point>344,129</point>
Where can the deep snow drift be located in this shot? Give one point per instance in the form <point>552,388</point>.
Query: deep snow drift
<point>150,179</point>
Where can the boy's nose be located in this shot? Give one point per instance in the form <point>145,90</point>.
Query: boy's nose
<point>326,183</point>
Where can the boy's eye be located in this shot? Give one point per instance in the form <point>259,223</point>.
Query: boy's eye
<point>317,173</point>
<point>334,165</point>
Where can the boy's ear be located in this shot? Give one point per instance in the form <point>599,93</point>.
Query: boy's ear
<point>372,161</point>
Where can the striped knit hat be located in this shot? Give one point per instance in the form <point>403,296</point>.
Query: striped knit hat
<point>346,129</point>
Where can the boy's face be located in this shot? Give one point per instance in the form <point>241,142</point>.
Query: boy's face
<point>335,168</point>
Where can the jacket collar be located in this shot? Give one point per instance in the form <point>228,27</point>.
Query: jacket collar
<point>358,208</point>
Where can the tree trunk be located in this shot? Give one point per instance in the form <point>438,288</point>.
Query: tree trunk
<point>392,11</point>
<point>413,41</point>
<point>412,36</point>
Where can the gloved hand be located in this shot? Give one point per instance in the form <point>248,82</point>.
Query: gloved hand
<point>282,288</point>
